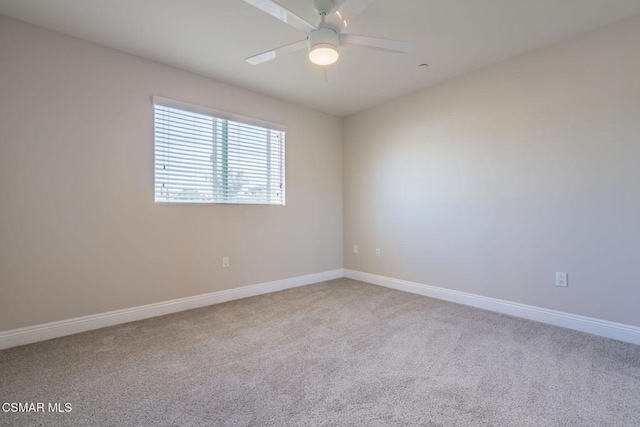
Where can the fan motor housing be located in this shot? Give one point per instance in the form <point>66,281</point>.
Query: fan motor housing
<point>323,36</point>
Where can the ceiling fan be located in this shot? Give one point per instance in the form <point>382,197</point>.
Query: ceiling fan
<point>324,40</point>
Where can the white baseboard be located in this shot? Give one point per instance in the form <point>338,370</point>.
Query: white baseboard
<point>618,331</point>
<point>61,328</point>
<point>76,325</point>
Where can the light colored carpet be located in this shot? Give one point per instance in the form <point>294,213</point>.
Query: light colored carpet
<point>335,353</point>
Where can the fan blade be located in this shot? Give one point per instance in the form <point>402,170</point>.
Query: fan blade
<point>375,43</point>
<point>283,14</point>
<point>344,12</point>
<point>276,53</point>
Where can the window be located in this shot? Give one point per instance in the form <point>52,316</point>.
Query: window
<point>205,156</point>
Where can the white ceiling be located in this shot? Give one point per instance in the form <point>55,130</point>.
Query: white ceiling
<point>212,38</point>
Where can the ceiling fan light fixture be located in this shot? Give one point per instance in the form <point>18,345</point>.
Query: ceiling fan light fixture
<point>323,46</point>
<point>324,54</point>
<point>323,40</point>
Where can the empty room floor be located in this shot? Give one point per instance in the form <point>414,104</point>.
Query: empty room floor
<point>335,353</point>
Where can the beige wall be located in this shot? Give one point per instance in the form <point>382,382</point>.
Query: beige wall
<point>492,182</point>
<point>79,231</point>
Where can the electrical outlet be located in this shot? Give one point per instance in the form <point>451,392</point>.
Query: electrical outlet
<point>355,249</point>
<point>561,279</point>
<point>377,252</point>
<point>225,262</point>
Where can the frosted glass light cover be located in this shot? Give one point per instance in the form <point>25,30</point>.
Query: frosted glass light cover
<point>323,54</point>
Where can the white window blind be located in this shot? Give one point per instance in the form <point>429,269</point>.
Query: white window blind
<point>204,156</point>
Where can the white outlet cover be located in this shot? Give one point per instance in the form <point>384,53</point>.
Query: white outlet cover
<point>561,279</point>
<point>377,252</point>
<point>355,249</point>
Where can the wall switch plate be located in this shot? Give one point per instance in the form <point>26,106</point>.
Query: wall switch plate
<point>377,252</point>
<point>561,279</point>
<point>225,262</point>
<point>355,249</point>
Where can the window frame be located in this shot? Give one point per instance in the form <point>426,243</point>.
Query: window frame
<point>221,115</point>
